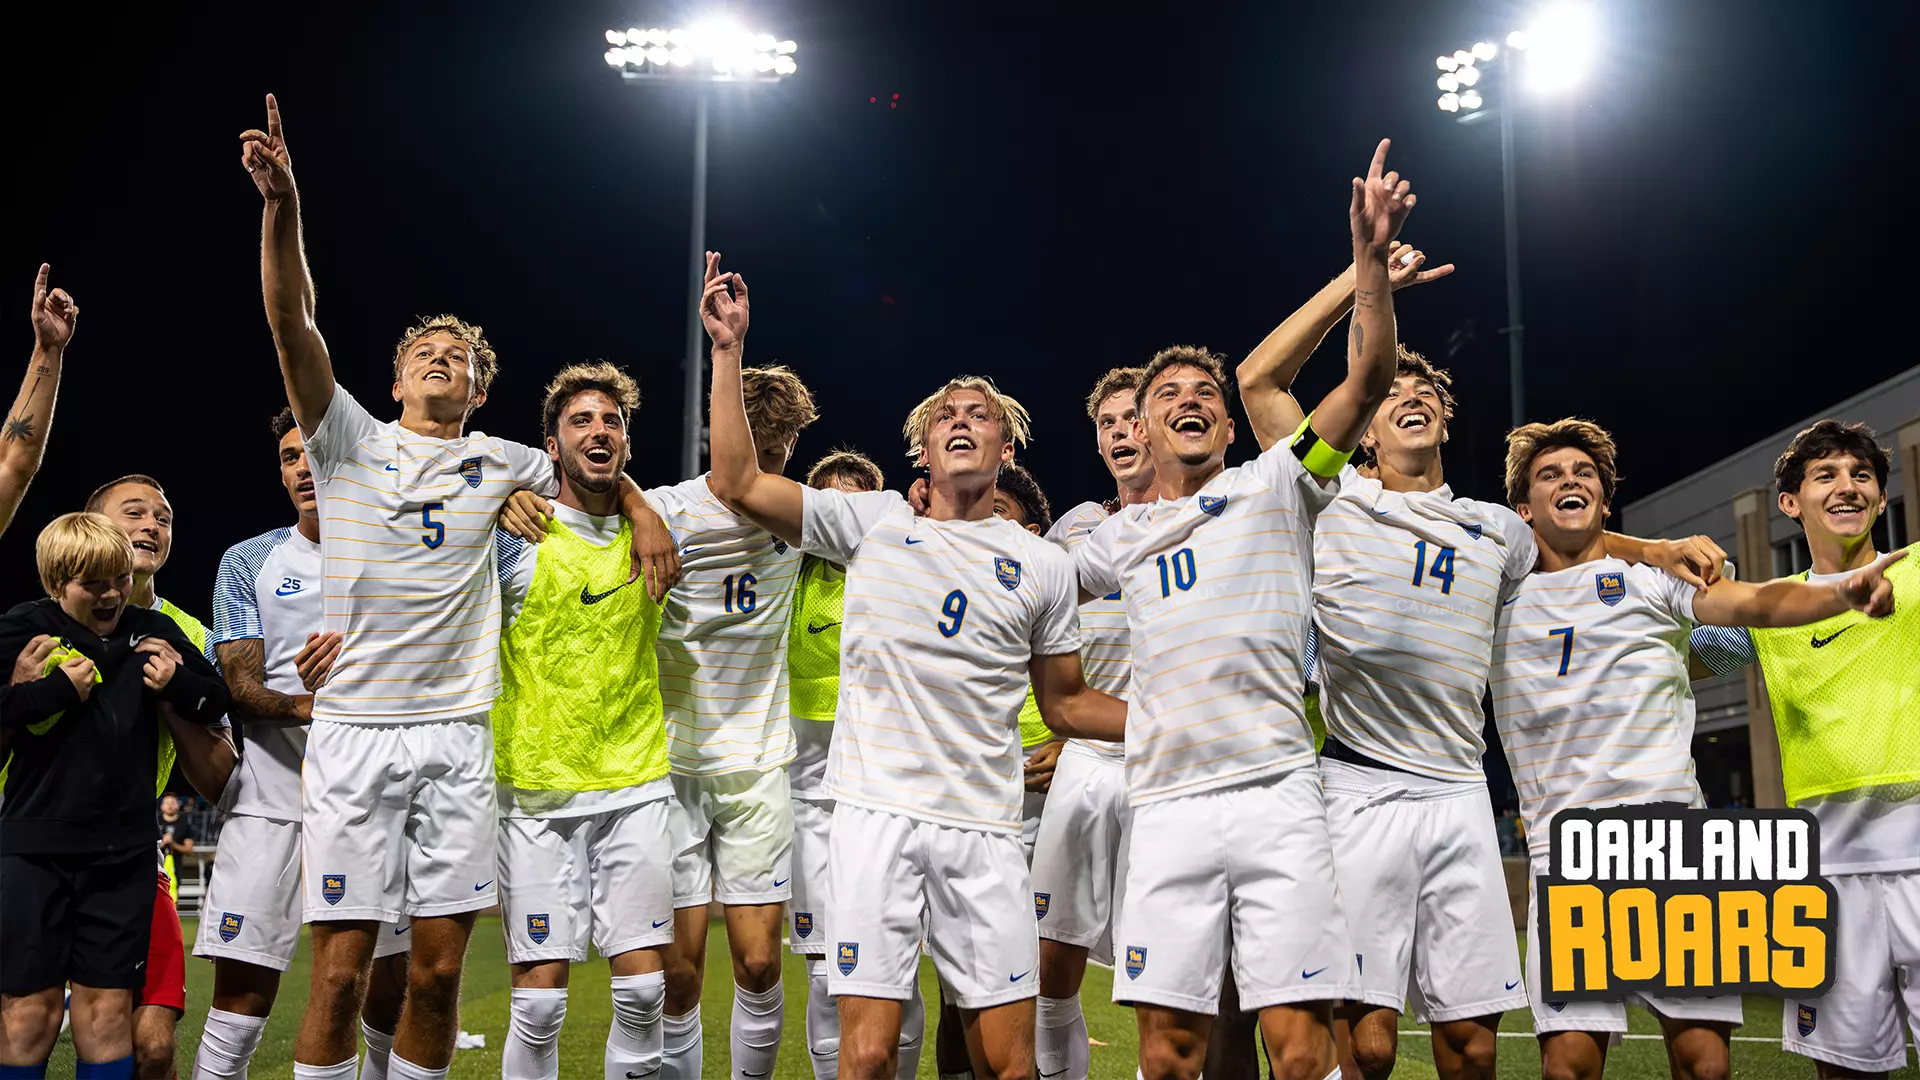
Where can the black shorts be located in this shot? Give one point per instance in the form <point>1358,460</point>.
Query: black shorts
<point>75,918</point>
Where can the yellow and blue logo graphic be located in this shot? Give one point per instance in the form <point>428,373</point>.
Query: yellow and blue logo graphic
<point>230,925</point>
<point>1040,902</point>
<point>1612,587</point>
<point>1136,960</point>
<point>470,472</point>
<point>803,923</point>
<point>538,926</point>
<point>333,887</point>
<point>849,956</point>
<point>1213,505</point>
<point>1008,571</point>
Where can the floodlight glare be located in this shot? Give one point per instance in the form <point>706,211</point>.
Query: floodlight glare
<point>785,66</point>
<point>1463,58</point>
<point>1447,83</point>
<point>763,62</point>
<point>786,48</point>
<point>1449,103</point>
<point>680,57</point>
<point>764,42</point>
<point>1484,50</point>
<point>1468,76</point>
<point>1444,63</point>
<point>636,35</point>
<point>657,55</point>
<point>1518,40</point>
<point>615,58</point>
<point>1562,42</point>
<point>1471,100</point>
<point>686,52</point>
<point>615,37</point>
<point>676,36</point>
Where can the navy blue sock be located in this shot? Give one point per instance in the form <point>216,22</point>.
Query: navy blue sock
<point>24,1072</point>
<point>121,1069</point>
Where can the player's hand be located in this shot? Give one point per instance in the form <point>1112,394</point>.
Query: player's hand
<point>1379,206</point>
<point>917,496</point>
<point>54,314</point>
<point>655,555</point>
<point>1039,768</point>
<point>264,155</point>
<point>162,662</point>
<point>1695,560</point>
<point>526,516</point>
<point>315,661</point>
<point>1867,589</point>
<point>723,306</point>
<point>1407,266</point>
<point>31,665</point>
<point>79,670</point>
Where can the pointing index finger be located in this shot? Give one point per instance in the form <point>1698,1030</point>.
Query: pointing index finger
<point>273,117</point>
<point>40,287</point>
<point>1379,163</point>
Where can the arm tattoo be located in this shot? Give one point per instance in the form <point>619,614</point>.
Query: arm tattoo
<point>19,429</point>
<point>1359,339</point>
<point>243,663</point>
<point>1363,298</point>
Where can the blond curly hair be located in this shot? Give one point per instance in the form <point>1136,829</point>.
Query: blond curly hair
<point>1015,425</point>
<point>485,363</point>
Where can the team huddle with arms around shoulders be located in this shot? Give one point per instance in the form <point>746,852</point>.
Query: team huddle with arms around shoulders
<point>1221,730</point>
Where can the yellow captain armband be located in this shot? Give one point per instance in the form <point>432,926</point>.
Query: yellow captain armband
<point>1313,451</point>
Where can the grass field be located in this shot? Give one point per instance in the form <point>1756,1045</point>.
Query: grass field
<point>1756,1053</point>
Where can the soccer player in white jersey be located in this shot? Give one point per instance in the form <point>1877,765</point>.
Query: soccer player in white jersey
<point>581,748</point>
<point>1843,697</point>
<point>947,618</point>
<point>1080,857</point>
<point>397,807</point>
<point>23,441</point>
<point>1594,708</point>
<point>1229,825</point>
<point>267,642</point>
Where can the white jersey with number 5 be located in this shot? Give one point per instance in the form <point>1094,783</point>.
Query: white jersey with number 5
<point>940,621</point>
<point>1217,589</point>
<point>723,637</point>
<point>406,528</point>
<point>1590,691</point>
<point>1107,655</point>
<point>1405,589</point>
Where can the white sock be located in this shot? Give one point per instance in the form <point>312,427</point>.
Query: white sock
<point>227,1044</point>
<point>401,1069</point>
<point>758,1017</point>
<point>373,1066</point>
<point>1060,1039</point>
<point>633,1042</point>
<point>913,1030</point>
<point>1335,1074</point>
<point>823,1024</point>
<point>342,1071</point>
<point>532,1051</point>
<point>680,1049</point>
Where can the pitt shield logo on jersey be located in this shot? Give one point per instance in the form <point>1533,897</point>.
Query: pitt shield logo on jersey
<point>1807,1018</point>
<point>849,956</point>
<point>1136,960</point>
<point>1472,530</point>
<point>1212,505</point>
<point>1611,586</point>
<point>470,472</point>
<point>537,928</point>
<point>1008,571</point>
<point>803,924</point>
<point>230,925</point>
<point>1040,902</point>
<point>333,887</point>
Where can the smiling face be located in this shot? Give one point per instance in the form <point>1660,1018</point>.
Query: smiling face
<point>434,378</point>
<point>965,441</point>
<point>144,514</point>
<point>1119,440</point>
<point>590,443</point>
<point>96,603</point>
<point>1840,498</point>
<point>295,475</point>
<point>1565,497</point>
<point>1186,423</point>
<point>1411,421</point>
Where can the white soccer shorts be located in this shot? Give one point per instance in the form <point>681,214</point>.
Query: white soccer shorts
<point>1033,806</point>
<point>972,887</point>
<point>251,912</point>
<point>1876,977</point>
<point>399,819</point>
<point>733,838</point>
<point>1419,870</point>
<point>807,910</point>
<point>1080,860</point>
<point>1255,859</point>
<point>1610,1016</point>
<point>605,878</point>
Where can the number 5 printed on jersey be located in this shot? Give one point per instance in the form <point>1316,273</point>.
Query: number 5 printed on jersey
<point>438,535</point>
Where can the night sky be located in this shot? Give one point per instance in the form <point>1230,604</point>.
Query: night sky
<point>1712,227</point>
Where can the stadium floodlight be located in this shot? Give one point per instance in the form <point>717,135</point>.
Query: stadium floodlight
<point>1447,83</point>
<point>1561,42</point>
<point>1449,102</point>
<point>1467,76</point>
<point>715,50</point>
<point>1463,57</point>
<point>1471,100</point>
<point>1444,63</point>
<point>1518,40</point>
<point>1484,50</point>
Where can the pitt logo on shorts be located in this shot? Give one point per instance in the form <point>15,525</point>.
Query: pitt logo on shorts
<point>333,887</point>
<point>1008,571</point>
<point>537,928</point>
<point>470,472</point>
<point>803,923</point>
<point>1611,586</point>
<point>1040,902</point>
<point>1808,1017</point>
<point>1212,505</point>
<point>1136,960</point>
<point>230,925</point>
<point>849,956</point>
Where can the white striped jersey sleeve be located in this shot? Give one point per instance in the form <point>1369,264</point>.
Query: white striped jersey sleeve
<point>1726,650</point>
<point>269,588</point>
<point>723,637</point>
<point>1406,588</point>
<point>1217,590</point>
<point>1590,691</point>
<point>1106,652</point>
<point>407,535</point>
<point>940,622</point>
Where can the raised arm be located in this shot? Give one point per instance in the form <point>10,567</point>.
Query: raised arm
<point>284,280</point>
<point>1266,376</point>
<point>1379,206</point>
<point>1792,602</point>
<point>772,501</point>
<point>24,440</point>
<point>1071,707</point>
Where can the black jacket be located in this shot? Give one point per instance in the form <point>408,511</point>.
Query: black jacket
<point>85,785</point>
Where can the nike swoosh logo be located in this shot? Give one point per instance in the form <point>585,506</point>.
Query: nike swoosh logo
<point>821,629</point>
<point>1311,974</point>
<point>1822,642</point>
<point>1022,975</point>
<point>285,592</point>
<point>661,923</point>
<point>911,540</point>
<point>595,597</point>
<point>1513,984</point>
<point>134,641</point>
<point>391,467</point>
<point>398,930</point>
<point>777,882</point>
<point>483,885</point>
<point>1508,603</point>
